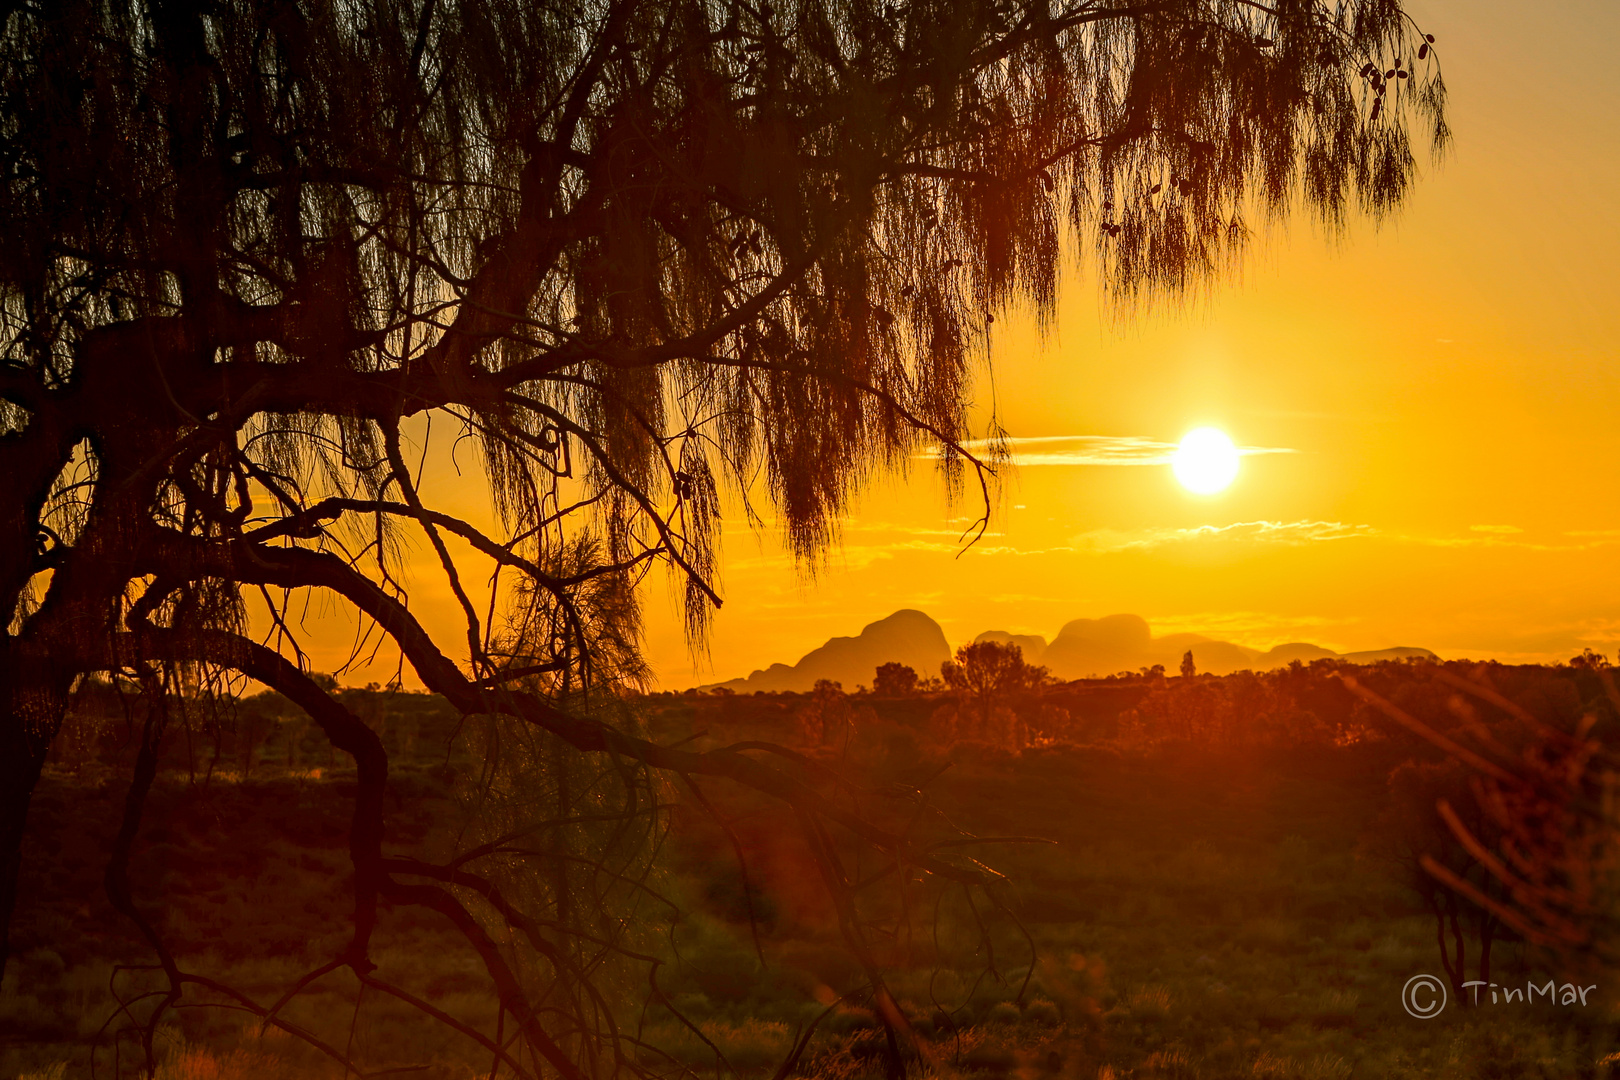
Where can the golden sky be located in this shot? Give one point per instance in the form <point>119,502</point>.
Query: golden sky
<point>1448,387</point>
<point>1450,384</point>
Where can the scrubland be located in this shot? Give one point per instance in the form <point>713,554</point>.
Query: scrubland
<point>1211,903</point>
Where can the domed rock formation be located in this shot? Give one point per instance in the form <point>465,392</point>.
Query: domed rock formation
<point>907,637</point>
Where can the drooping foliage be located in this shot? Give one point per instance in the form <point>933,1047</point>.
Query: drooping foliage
<point>639,251</point>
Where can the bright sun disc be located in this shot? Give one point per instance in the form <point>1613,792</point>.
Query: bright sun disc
<point>1206,461</point>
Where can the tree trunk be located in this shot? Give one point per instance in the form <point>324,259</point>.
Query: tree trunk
<point>1442,903</point>
<point>19,772</point>
<point>1461,974</point>
<point>31,712</point>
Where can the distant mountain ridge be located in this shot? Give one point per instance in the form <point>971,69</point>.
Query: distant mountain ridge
<point>1083,648</point>
<point>907,637</point>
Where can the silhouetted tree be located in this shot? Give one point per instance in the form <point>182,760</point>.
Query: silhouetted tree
<point>827,717</point>
<point>894,680</point>
<point>636,251</point>
<point>1411,830</point>
<point>985,676</point>
<point>1188,668</point>
<point>1529,830</point>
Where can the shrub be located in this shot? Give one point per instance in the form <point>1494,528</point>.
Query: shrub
<point>1043,1012</point>
<point>1003,1012</point>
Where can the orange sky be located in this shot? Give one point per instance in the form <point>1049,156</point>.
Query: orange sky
<point>1448,383</point>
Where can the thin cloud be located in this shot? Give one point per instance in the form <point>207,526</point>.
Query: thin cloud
<point>1500,530</point>
<point>1273,532</point>
<point>1256,629</point>
<point>1502,539</point>
<point>855,526</point>
<point>1094,450</point>
<point>860,556</point>
<point>1235,623</point>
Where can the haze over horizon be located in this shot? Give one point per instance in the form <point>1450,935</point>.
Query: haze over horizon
<point>1082,648</point>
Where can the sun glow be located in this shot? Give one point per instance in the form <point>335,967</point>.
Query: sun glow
<point>1206,461</point>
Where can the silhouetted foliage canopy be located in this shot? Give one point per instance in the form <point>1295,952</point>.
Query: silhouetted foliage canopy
<point>894,680</point>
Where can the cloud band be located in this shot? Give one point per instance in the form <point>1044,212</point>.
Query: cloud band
<point>1094,450</point>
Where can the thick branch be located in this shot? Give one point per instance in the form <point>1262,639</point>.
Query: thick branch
<point>300,568</point>
<point>342,727</point>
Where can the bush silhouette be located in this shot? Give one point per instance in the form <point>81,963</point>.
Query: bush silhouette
<point>894,680</point>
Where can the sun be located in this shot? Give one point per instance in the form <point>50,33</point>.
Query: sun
<point>1206,461</point>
